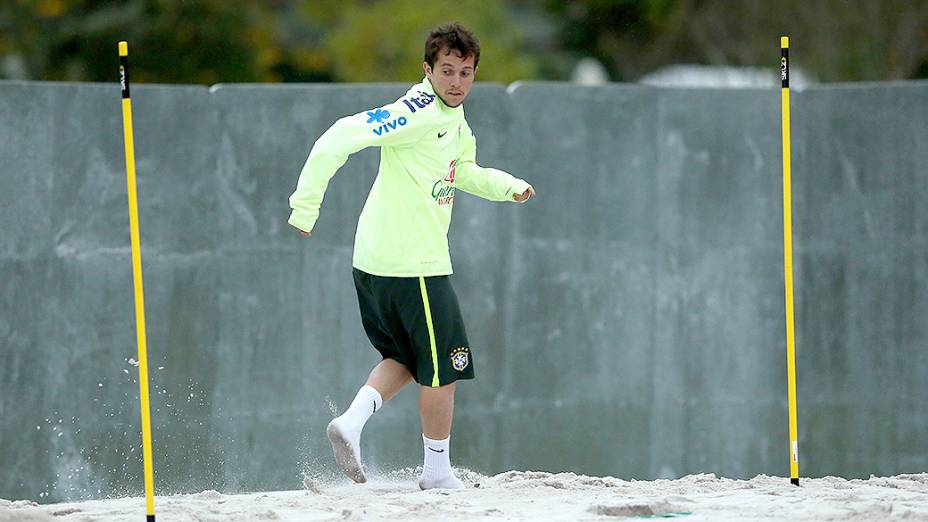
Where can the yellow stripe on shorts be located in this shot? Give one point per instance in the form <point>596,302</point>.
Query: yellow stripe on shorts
<point>428,321</point>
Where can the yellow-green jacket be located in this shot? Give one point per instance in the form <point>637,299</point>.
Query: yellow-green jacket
<point>427,151</point>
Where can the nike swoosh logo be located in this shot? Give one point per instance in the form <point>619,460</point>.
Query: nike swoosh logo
<point>442,134</point>
<point>437,451</point>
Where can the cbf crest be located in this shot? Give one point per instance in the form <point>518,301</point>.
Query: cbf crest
<point>460,358</point>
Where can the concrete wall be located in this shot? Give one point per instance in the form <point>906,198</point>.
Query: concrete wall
<point>627,322</point>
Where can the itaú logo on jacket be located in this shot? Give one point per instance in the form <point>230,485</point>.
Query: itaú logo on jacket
<point>419,102</point>
<point>443,189</point>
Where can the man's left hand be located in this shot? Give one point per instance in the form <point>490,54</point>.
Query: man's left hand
<point>523,197</point>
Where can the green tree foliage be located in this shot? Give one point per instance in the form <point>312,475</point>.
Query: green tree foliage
<point>181,41</point>
<point>211,41</point>
<point>834,40</point>
<point>385,40</point>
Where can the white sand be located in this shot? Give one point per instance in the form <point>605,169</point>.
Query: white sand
<point>524,495</point>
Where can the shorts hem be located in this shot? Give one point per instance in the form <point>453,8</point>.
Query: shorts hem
<point>443,271</point>
<point>443,383</point>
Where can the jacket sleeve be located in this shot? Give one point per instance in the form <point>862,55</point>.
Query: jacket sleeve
<point>391,125</point>
<point>487,183</point>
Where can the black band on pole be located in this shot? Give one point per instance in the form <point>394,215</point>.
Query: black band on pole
<point>784,67</point>
<point>794,481</point>
<point>124,75</point>
<point>149,518</point>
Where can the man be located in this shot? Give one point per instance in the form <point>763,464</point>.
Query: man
<point>401,261</point>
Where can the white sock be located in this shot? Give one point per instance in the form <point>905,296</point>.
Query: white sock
<point>344,431</point>
<point>436,470</point>
<point>365,403</point>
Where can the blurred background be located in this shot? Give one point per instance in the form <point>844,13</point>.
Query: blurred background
<point>211,41</point>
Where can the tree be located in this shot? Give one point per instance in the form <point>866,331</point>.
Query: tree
<point>189,41</point>
<point>385,41</point>
<point>210,41</point>
<point>836,40</point>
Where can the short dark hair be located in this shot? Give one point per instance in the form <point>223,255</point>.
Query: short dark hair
<point>451,37</point>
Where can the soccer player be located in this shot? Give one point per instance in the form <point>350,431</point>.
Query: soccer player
<point>402,266</point>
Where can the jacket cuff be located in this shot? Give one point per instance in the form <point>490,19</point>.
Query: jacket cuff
<point>518,186</point>
<point>301,221</point>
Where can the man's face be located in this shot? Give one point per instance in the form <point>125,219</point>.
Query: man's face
<point>452,76</point>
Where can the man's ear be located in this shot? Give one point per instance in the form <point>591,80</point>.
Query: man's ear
<point>426,69</point>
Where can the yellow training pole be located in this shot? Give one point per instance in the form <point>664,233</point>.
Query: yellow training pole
<point>788,267</point>
<point>137,279</point>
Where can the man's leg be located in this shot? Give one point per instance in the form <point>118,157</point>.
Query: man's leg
<point>436,407</point>
<point>388,378</point>
<point>384,382</point>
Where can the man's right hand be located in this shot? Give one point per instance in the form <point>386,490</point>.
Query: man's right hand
<point>303,232</point>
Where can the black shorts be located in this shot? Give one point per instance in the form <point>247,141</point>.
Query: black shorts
<point>417,322</point>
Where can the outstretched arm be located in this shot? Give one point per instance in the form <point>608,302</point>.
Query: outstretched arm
<point>487,183</point>
<point>393,124</point>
